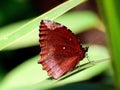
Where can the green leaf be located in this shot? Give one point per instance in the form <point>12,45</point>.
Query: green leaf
<point>84,21</point>
<point>111,16</point>
<point>30,76</point>
<point>30,27</point>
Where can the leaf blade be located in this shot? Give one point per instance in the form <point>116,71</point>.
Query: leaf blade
<point>31,26</point>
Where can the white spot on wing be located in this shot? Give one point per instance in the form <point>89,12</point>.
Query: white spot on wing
<point>70,39</point>
<point>64,48</point>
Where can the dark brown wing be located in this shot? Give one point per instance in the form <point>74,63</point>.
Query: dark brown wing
<point>60,50</point>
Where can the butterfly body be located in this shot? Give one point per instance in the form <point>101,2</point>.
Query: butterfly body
<point>60,50</point>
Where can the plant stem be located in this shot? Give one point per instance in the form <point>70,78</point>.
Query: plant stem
<point>110,13</point>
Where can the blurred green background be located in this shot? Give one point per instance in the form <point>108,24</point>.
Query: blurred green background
<point>15,60</point>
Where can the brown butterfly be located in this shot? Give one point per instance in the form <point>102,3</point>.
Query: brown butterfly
<point>60,49</point>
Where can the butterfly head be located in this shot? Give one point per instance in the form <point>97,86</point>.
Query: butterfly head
<point>83,53</point>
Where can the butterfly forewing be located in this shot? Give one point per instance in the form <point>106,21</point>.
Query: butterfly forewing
<point>60,50</point>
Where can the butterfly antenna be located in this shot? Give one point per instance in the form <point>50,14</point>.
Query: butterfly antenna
<point>86,55</point>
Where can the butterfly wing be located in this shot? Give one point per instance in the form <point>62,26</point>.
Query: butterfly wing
<point>60,50</point>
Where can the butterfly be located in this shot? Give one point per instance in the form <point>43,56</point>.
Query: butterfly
<point>60,49</point>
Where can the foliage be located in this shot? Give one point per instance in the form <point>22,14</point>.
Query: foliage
<point>29,75</point>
